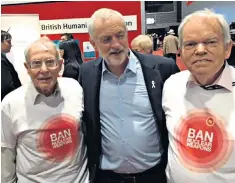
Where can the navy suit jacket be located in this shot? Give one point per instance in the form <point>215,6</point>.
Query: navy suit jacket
<point>155,68</point>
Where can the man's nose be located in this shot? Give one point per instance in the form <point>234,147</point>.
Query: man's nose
<point>44,67</point>
<point>115,43</point>
<point>201,48</point>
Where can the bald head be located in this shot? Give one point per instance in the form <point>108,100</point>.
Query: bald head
<point>44,44</point>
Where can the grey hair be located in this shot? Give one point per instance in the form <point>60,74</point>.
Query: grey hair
<point>43,42</point>
<point>143,42</point>
<point>210,14</point>
<point>103,14</point>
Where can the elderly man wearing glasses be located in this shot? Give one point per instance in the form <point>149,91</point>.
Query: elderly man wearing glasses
<point>41,127</point>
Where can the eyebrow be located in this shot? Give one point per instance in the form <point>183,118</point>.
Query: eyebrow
<point>120,32</point>
<point>196,41</point>
<point>212,38</point>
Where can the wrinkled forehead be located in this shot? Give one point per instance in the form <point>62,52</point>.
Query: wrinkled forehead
<point>42,47</point>
<point>203,21</point>
<point>200,27</point>
<point>109,21</point>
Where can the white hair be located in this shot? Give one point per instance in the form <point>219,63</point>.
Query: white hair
<point>210,14</point>
<point>143,42</point>
<point>103,14</point>
<point>43,43</point>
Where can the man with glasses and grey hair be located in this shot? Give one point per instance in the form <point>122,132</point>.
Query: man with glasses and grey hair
<point>199,104</point>
<point>41,138</point>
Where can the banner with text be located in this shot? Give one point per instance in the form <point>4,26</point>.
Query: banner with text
<point>77,25</point>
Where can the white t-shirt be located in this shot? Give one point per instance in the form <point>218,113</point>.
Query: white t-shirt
<point>46,133</point>
<point>201,128</point>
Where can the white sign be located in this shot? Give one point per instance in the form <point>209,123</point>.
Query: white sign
<point>24,29</point>
<point>150,21</point>
<point>87,47</point>
<point>88,50</point>
<point>77,25</point>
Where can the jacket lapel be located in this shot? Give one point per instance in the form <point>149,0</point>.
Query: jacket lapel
<point>95,83</point>
<point>154,87</point>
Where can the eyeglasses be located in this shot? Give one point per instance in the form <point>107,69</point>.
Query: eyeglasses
<point>193,45</point>
<point>37,64</point>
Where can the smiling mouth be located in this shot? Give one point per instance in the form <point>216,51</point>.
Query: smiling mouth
<point>44,79</point>
<point>202,61</point>
<point>116,53</point>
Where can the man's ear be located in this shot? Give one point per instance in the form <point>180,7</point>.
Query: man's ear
<point>26,65</point>
<point>179,52</point>
<point>93,44</point>
<point>228,48</point>
<point>60,63</point>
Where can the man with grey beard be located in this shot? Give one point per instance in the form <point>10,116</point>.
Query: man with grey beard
<point>125,128</point>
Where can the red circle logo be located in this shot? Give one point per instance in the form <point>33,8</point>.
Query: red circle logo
<point>204,143</point>
<point>58,138</point>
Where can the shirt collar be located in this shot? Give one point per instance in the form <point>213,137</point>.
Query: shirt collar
<point>130,66</point>
<point>224,80</point>
<point>36,96</point>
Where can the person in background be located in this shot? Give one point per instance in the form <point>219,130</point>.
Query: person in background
<point>69,37</point>
<point>170,45</point>
<point>231,59</point>
<point>71,54</point>
<point>199,104</point>
<point>9,77</point>
<point>41,133</point>
<point>66,36</point>
<point>142,44</point>
<point>154,40</point>
<point>123,119</point>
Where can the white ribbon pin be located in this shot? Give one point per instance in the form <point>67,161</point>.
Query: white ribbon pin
<point>153,84</point>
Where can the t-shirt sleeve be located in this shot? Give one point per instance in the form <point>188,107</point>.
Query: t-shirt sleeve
<point>8,139</point>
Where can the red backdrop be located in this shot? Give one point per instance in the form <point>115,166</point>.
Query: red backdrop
<point>82,9</point>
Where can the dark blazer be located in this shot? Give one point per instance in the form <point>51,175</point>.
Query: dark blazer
<point>10,80</point>
<point>71,70</point>
<point>155,68</point>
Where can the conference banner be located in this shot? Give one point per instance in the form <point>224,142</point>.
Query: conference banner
<point>77,25</point>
